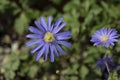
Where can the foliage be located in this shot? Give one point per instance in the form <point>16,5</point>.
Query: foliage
<point>83,18</point>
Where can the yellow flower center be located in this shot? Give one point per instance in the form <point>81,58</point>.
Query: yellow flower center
<point>49,37</point>
<point>104,38</point>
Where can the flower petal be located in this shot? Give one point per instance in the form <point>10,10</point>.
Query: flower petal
<point>40,53</point>
<point>46,51</point>
<point>43,23</point>
<point>64,43</point>
<point>97,43</point>
<point>34,36</point>
<point>49,21</point>
<point>39,26</point>
<point>63,35</point>
<point>51,54</point>
<point>34,30</point>
<point>37,47</point>
<point>57,23</point>
<point>30,43</point>
<point>62,52</point>
<point>58,28</point>
<point>55,50</point>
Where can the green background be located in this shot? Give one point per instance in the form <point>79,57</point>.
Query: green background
<point>83,18</point>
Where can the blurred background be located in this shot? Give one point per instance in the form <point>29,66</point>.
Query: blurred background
<point>83,18</point>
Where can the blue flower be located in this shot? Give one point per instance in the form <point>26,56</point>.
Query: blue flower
<point>118,69</point>
<point>106,65</point>
<point>105,37</point>
<point>48,38</point>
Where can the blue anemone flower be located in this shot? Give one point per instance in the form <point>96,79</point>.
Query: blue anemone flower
<point>118,69</point>
<point>105,37</point>
<point>48,38</point>
<point>105,62</point>
<point>106,65</point>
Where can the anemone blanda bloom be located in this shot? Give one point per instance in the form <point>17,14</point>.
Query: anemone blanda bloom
<point>106,65</point>
<point>106,62</point>
<point>105,37</point>
<point>48,38</point>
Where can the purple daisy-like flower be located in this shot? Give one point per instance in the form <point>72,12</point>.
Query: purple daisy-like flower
<point>106,65</point>
<point>48,38</point>
<point>118,69</point>
<point>105,37</point>
<point>105,62</point>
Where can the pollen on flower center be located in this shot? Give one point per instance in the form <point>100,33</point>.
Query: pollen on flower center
<point>104,38</point>
<point>49,37</point>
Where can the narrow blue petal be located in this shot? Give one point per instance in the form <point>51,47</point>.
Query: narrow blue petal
<point>57,23</point>
<point>112,43</point>
<point>63,35</point>
<point>105,31</point>
<point>43,23</point>
<point>103,68</point>
<point>49,21</point>
<point>37,47</point>
<point>110,31</point>
<point>30,43</point>
<point>113,34</point>
<point>97,43</point>
<point>102,31</point>
<point>34,36</point>
<point>64,43</point>
<point>95,39</point>
<point>118,68</point>
<point>39,26</point>
<point>35,30</point>
<point>55,50</point>
<point>107,44</point>
<point>51,54</point>
<point>113,37</point>
<point>40,53</point>
<point>58,28</point>
<point>98,33</point>
<point>46,51</point>
<point>62,52</point>
<point>114,40</point>
<point>98,63</point>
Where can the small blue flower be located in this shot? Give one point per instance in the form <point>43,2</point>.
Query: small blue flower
<point>106,65</point>
<point>105,37</point>
<point>48,38</point>
<point>118,69</point>
<point>105,62</point>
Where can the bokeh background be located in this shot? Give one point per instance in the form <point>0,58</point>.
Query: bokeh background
<point>83,18</point>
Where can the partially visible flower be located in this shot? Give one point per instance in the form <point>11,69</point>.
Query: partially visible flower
<point>118,69</point>
<point>48,38</point>
<point>105,37</point>
<point>106,65</point>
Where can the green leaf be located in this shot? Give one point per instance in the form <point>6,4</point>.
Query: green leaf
<point>13,63</point>
<point>72,5</point>
<point>9,74</point>
<point>83,72</point>
<point>113,76</point>
<point>21,23</point>
<point>89,19</point>
<point>23,55</point>
<point>74,78</point>
<point>33,71</point>
<point>56,1</point>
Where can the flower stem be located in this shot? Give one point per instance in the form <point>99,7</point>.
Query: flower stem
<point>107,67</point>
